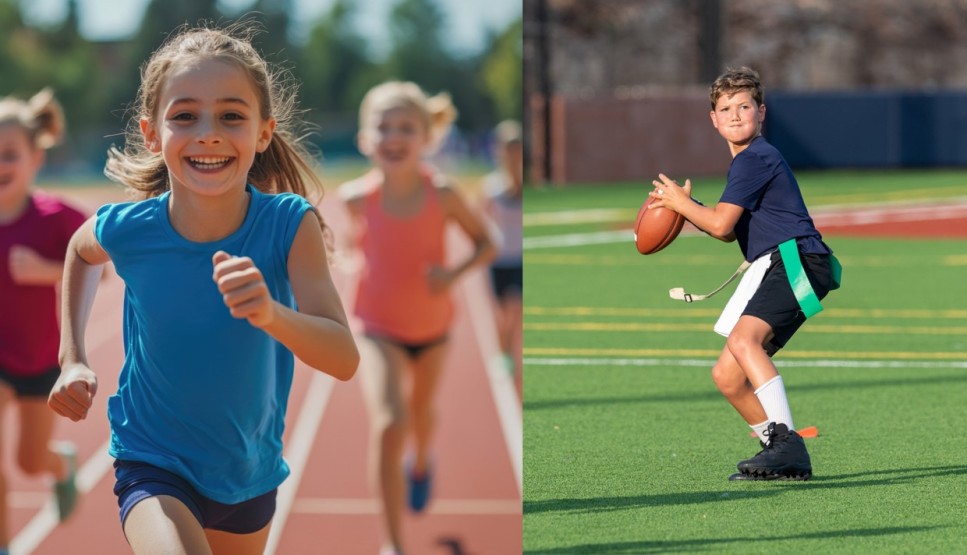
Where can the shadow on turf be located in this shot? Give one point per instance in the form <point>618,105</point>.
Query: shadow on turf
<point>646,547</point>
<point>713,394</point>
<point>600,504</point>
<point>890,476</point>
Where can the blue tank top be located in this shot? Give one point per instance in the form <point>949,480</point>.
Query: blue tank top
<point>761,182</point>
<point>201,394</point>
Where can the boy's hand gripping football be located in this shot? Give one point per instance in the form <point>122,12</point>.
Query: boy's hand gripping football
<point>669,194</point>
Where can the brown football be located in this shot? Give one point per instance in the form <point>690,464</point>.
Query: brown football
<point>656,228</point>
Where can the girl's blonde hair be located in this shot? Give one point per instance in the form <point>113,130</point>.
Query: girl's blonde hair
<point>437,111</point>
<point>283,167</point>
<point>41,117</point>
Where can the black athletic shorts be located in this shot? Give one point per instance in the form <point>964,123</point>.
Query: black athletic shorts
<point>775,303</point>
<point>31,386</point>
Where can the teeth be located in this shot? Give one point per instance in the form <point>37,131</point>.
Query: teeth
<point>209,162</point>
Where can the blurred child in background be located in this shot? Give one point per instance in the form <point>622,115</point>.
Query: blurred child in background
<point>35,228</point>
<point>503,190</point>
<point>401,209</point>
<point>226,278</point>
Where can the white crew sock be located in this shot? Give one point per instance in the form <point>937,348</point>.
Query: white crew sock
<point>760,430</point>
<point>772,395</point>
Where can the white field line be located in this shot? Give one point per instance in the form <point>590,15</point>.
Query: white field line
<point>822,363</point>
<point>501,385</point>
<point>588,216</point>
<point>827,216</point>
<point>44,522</point>
<point>579,239</point>
<point>297,452</point>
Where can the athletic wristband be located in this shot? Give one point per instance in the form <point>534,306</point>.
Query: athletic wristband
<point>801,288</point>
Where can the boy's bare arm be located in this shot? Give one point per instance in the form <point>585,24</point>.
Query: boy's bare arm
<point>718,221</point>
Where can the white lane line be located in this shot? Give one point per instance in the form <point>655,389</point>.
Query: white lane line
<point>297,452</point>
<point>373,506</point>
<point>823,363</point>
<point>44,522</point>
<point>475,291</point>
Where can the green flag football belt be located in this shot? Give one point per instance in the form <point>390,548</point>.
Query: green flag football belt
<point>798,281</point>
<point>801,288</point>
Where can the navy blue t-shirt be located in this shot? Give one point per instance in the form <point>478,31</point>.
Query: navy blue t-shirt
<point>761,182</point>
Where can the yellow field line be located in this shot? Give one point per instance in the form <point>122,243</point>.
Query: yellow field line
<point>724,261</point>
<point>693,312</point>
<point>711,353</point>
<point>813,328</point>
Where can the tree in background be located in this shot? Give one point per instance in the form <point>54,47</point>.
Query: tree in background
<point>97,81</point>
<point>502,75</point>
<point>335,69</point>
<point>418,55</point>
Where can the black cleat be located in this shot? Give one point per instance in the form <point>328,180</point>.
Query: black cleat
<point>783,457</point>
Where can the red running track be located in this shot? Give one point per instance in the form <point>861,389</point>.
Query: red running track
<point>327,505</point>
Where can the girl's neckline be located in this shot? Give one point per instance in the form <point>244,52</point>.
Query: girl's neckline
<point>165,217</point>
<point>415,200</point>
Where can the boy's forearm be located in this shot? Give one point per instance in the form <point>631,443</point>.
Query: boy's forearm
<point>706,219</point>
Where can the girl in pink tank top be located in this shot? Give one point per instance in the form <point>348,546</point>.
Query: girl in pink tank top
<point>394,296</point>
<point>401,210</point>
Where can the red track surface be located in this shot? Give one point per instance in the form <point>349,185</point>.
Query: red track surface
<point>948,220</point>
<point>327,505</point>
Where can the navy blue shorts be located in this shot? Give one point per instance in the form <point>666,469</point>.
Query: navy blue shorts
<point>507,280</point>
<point>776,304</point>
<point>137,481</point>
<point>31,386</point>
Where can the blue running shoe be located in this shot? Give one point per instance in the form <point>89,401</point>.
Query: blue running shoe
<point>419,488</point>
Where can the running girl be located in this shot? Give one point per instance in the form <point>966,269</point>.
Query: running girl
<point>35,228</point>
<point>226,278</point>
<point>401,209</point>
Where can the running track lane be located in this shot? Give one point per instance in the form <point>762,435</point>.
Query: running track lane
<point>327,505</point>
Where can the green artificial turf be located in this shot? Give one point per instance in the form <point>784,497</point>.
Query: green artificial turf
<point>628,445</point>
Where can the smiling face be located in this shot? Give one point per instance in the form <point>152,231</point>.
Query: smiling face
<point>738,119</point>
<point>395,138</point>
<point>19,163</point>
<point>207,126</point>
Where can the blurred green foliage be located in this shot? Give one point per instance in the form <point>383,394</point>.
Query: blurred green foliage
<point>97,81</point>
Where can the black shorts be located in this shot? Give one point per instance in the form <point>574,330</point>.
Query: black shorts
<point>507,280</point>
<point>775,303</point>
<point>31,386</point>
<point>413,350</point>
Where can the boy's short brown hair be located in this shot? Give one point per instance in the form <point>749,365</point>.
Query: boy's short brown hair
<point>737,79</point>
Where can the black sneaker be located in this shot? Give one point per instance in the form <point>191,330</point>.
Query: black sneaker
<point>783,457</point>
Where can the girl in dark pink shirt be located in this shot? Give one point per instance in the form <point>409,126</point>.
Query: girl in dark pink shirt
<point>35,228</point>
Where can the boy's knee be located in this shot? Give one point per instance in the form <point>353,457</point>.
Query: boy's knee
<point>727,380</point>
<point>740,344</point>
